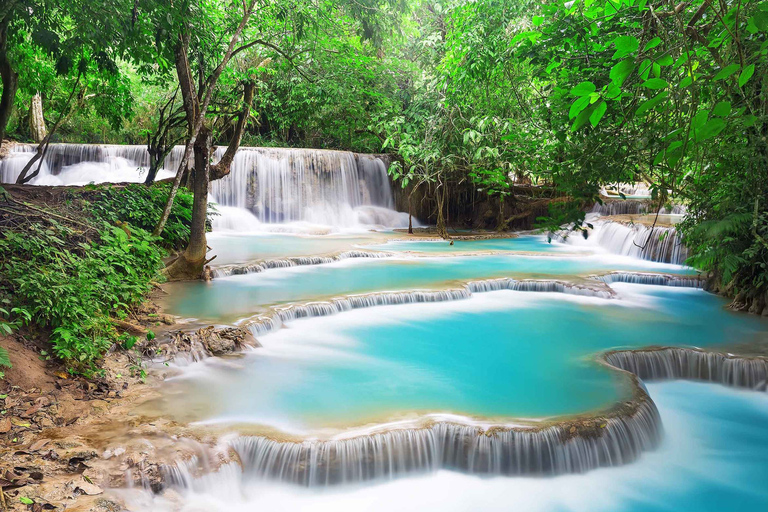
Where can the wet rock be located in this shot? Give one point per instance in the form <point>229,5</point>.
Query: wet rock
<point>215,343</point>
<point>82,486</point>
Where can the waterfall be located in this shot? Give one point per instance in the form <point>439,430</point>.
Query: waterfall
<point>687,363</point>
<point>326,187</point>
<point>652,279</point>
<point>261,266</point>
<point>610,439</point>
<point>336,188</point>
<point>634,207</point>
<point>662,244</point>
<point>621,207</point>
<point>281,314</point>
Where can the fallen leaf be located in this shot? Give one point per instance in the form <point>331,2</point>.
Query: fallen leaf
<point>20,423</point>
<point>5,425</point>
<point>37,445</point>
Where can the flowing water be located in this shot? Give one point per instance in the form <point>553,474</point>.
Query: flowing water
<point>395,373</point>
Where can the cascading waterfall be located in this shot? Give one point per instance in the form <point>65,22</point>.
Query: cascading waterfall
<point>662,244</point>
<point>336,188</point>
<point>626,207</point>
<point>652,279</point>
<point>327,187</point>
<point>261,266</point>
<point>634,207</point>
<point>615,438</point>
<point>688,363</point>
<point>281,314</point>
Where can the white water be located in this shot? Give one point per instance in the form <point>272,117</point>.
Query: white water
<point>661,244</point>
<point>712,459</point>
<point>304,188</point>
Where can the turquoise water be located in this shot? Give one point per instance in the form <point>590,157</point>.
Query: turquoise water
<point>231,298</point>
<point>497,355</point>
<point>526,243</point>
<point>713,459</point>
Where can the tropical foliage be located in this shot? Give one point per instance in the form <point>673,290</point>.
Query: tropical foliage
<point>507,98</point>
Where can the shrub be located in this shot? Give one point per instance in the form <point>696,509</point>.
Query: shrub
<point>141,207</point>
<point>72,285</point>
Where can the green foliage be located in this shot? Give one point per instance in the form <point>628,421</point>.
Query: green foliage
<point>72,286</point>
<point>141,207</point>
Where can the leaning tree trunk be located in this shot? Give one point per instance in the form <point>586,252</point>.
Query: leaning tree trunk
<point>190,263</point>
<point>10,81</point>
<point>37,129</point>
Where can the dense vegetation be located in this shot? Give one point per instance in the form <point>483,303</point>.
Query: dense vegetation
<point>499,96</point>
<point>71,275</point>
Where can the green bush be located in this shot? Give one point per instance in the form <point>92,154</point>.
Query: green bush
<point>72,285</point>
<point>141,207</point>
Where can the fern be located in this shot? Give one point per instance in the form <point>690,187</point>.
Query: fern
<point>5,358</point>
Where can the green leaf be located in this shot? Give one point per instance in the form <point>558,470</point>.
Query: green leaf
<point>582,118</point>
<point>746,74</point>
<point>656,83</point>
<point>712,128</point>
<point>726,72</point>
<point>749,120</point>
<point>722,109</point>
<point>666,60</point>
<point>620,72</point>
<point>583,89</point>
<point>25,500</point>
<point>598,113</point>
<point>625,45</point>
<point>578,105</point>
<point>651,103</point>
<point>653,43</point>
<point>685,82</point>
<point>538,20</point>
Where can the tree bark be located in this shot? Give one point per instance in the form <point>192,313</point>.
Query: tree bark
<point>10,80</point>
<point>37,129</point>
<point>189,265</point>
<point>223,166</point>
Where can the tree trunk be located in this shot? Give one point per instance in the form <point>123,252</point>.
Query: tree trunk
<point>190,264</point>
<point>37,129</point>
<point>441,229</point>
<point>410,213</point>
<point>10,80</point>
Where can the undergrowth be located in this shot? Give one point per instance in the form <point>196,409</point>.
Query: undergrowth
<point>72,274</point>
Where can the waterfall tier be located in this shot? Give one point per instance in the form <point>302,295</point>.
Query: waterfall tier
<point>261,266</point>
<point>634,207</point>
<point>652,279</point>
<point>616,437</point>
<point>662,244</point>
<point>281,314</point>
<point>337,188</point>
<point>686,363</point>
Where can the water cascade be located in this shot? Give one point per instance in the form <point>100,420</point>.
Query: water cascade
<point>662,244</point>
<point>616,438</point>
<point>336,188</point>
<point>281,314</point>
<point>251,268</point>
<point>652,279</point>
<point>634,207</point>
<point>687,363</point>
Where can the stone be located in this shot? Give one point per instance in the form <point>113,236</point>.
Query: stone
<point>86,487</point>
